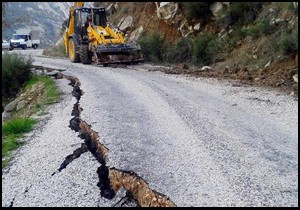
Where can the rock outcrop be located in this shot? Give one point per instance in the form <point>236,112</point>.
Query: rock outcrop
<point>166,10</point>
<point>126,23</point>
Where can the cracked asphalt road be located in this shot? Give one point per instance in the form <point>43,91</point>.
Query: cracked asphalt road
<point>201,142</point>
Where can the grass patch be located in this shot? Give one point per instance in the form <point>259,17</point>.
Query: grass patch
<point>20,122</point>
<point>50,93</point>
<point>12,130</point>
<point>40,99</point>
<point>17,126</point>
<point>9,143</point>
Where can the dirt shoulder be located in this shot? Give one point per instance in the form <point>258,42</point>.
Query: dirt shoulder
<point>280,75</point>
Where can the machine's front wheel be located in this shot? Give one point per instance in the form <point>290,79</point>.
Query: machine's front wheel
<point>85,54</point>
<point>73,56</point>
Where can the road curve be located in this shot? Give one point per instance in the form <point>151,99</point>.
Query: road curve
<point>201,142</point>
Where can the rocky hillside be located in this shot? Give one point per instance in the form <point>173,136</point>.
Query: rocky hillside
<point>255,42</point>
<point>44,16</point>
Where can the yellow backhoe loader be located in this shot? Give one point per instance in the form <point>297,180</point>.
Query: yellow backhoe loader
<point>88,38</point>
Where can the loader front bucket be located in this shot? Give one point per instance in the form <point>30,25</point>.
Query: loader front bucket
<point>118,54</point>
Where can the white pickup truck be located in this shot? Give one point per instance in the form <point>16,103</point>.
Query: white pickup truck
<point>29,39</point>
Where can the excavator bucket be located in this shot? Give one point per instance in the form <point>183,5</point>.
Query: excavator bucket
<point>118,53</point>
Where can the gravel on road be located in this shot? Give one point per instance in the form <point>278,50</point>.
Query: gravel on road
<point>199,141</point>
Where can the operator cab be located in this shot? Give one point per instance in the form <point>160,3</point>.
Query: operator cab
<point>81,16</point>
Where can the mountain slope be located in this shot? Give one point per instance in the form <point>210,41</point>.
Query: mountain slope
<point>45,16</point>
<point>256,42</point>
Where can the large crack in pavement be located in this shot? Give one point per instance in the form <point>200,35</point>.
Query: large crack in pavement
<point>111,179</point>
<point>12,203</point>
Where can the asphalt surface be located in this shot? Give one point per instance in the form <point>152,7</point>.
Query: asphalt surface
<point>201,142</point>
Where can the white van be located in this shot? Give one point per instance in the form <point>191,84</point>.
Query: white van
<point>25,40</point>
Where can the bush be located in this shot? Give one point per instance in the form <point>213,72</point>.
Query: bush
<point>151,47</point>
<point>253,31</point>
<point>204,48</point>
<point>262,27</point>
<point>284,41</point>
<point>197,10</point>
<point>214,50</point>
<point>239,34</point>
<point>288,42</point>
<point>15,72</point>
<point>273,44</point>
<point>293,8</point>
<point>226,43</point>
<point>265,27</point>
<point>241,13</point>
<point>179,52</point>
<point>238,10</point>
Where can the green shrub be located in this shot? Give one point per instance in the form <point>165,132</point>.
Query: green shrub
<point>241,13</point>
<point>284,41</point>
<point>260,28</point>
<point>179,52</point>
<point>292,8</point>
<point>238,10</point>
<point>265,27</point>
<point>15,71</point>
<point>288,42</point>
<point>239,34</point>
<point>204,47</point>
<point>151,47</point>
<point>273,44</point>
<point>214,50</point>
<point>226,43</point>
<point>253,31</point>
<point>197,10</point>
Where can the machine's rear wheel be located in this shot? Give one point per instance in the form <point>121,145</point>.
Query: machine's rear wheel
<point>85,54</point>
<point>73,56</point>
